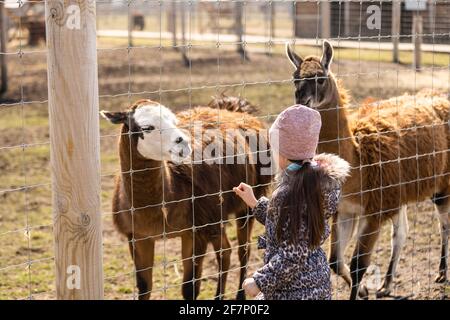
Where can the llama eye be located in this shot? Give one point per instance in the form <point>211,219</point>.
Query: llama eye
<point>148,128</point>
<point>320,80</point>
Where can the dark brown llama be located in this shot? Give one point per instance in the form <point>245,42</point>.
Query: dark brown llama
<point>157,198</point>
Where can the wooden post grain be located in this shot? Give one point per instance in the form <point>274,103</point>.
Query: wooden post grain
<point>3,40</point>
<point>75,153</point>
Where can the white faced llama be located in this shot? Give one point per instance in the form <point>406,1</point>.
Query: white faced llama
<point>155,198</point>
<point>398,154</point>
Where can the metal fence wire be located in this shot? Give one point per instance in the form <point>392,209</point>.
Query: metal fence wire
<point>170,225</point>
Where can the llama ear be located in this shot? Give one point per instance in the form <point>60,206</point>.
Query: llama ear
<point>115,117</point>
<point>327,55</point>
<point>295,59</point>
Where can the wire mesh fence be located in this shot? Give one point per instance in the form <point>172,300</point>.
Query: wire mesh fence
<point>169,227</point>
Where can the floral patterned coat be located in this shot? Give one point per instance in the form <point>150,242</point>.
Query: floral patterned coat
<point>294,271</point>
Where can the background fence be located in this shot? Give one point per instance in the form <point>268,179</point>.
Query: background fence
<point>180,53</point>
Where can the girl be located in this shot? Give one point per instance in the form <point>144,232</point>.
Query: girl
<point>296,217</point>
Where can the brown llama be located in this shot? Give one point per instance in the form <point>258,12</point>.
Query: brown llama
<point>398,151</point>
<point>157,198</point>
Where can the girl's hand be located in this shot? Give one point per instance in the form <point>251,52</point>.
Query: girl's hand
<point>246,193</point>
<point>250,287</point>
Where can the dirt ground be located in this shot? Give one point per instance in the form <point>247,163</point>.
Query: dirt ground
<point>26,264</point>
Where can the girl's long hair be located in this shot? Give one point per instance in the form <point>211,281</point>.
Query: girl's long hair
<point>302,205</point>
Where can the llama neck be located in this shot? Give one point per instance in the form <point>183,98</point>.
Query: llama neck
<point>145,175</point>
<point>336,136</point>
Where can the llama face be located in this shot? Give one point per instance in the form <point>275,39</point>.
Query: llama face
<point>155,132</point>
<point>161,139</point>
<point>311,76</point>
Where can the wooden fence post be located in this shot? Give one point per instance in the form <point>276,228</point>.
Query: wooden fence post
<point>173,24</point>
<point>347,18</point>
<point>75,147</point>
<point>417,29</point>
<point>325,17</point>
<point>272,19</point>
<point>184,48</point>
<point>395,32</point>
<point>240,28</point>
<point>3,40</point>
<point>130,25</point>
<point>294,19</point>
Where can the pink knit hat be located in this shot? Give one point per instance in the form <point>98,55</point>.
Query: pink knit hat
<point>295,132</point>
